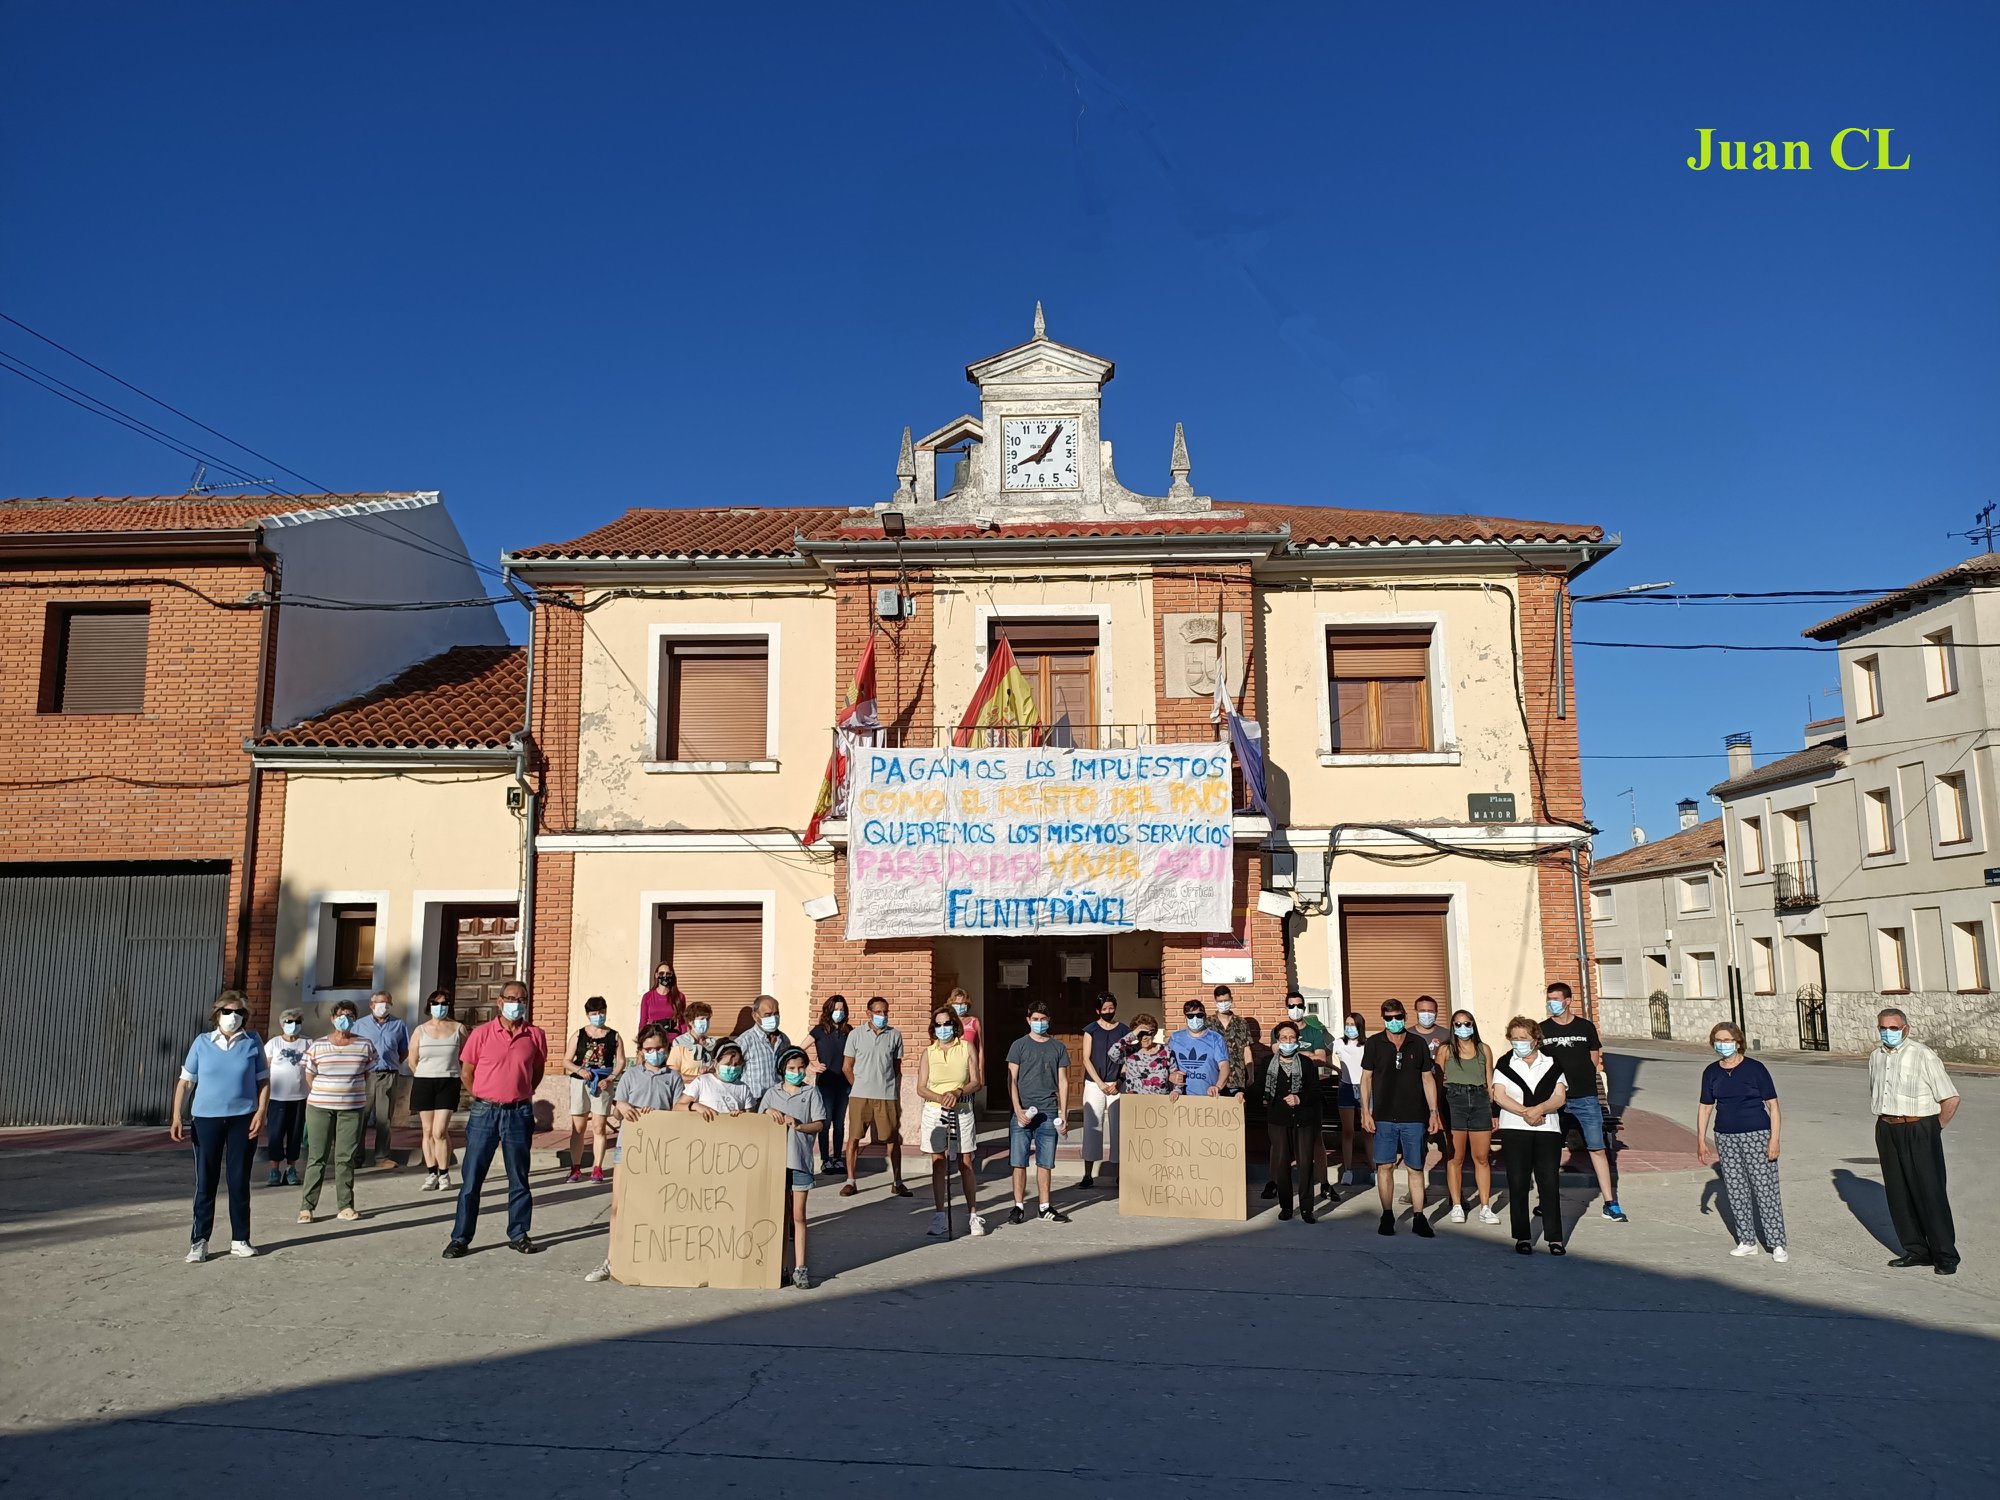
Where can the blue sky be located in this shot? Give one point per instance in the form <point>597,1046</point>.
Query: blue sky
<point>556,261</point>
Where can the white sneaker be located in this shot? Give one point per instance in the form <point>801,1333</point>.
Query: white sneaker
<point>444,1181</point>
<point>242,1249</point>
<point>937,1224</point>
<point>602,1273</point>
<point>978,1226</point>
<point>1458,1213</point>
<point>1748,1247</point>
<point>1486,1214</point>
<point>430,1183</point>
<point>197,1252</point>
<point>1780,1255</point>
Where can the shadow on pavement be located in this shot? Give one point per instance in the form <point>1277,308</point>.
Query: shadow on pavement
<point>1870,1206</point>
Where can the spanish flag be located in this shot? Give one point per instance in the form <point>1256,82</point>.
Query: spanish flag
<point>1002,704</point>
<point>858,718</point>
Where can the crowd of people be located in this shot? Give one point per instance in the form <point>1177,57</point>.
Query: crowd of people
<point>1334,1107</point>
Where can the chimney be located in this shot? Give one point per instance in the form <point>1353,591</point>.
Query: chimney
<point>1738,746</point>
<point>1691,810</point>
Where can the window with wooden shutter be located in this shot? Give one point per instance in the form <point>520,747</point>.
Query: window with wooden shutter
<point>353,948</point>
<point>1394,950</point>
<point>718,956</point>
<point>94,660</point>
<point>1379,687</point>
<point>715,696</point>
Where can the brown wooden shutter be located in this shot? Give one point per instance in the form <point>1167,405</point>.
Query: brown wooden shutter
<point>1394,950</point>
<point>1379,654</point>
<point>717,695</point>
<point>103,662</point>
<point>718,956</point>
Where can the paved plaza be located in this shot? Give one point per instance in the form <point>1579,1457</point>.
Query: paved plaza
<point>1111,1356</point>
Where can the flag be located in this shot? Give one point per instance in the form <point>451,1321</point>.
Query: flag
<point>858,717</point>
<point>1002,701</point>
<point>1061,735</point>
<point>1246,737</point>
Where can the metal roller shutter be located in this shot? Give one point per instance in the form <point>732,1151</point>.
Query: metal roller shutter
<point>718,956</point>
<point>103,662</point>
<point>1394,950</point>
<point>717,694</point>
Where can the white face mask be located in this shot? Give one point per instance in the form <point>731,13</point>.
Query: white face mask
<point>381,1009</point>
<point>231,1023</point>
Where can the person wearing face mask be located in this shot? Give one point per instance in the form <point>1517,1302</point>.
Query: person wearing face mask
<point>1573,1042</point>
<point>1528,1086</point>
<point>1435,1035</point>
<point>285,1118</point>
<point>1738,1096</point>
<point>500,1066</point>
<point>829,1042</point>
<point>693,1051</point>
<point>664,1003</point>
<point>1315,1043</point>
<point>434,1084</point>
<point>795,1104</point>
<point>337,1067</point>
<point>1399,1105</point>
<point>1037,1085</point>
<point>1200,1056</point>
<point>1144,1064</point>
<point>649,1084</point>
<point>390,1038</point>
<point>722,1090</point>
<point>231,1080</point>
<point>1100,1085</point>
<point>1235,1032</point>
<point>763,1044</point>
<point>1292,1113</point>
<point>1468,1106</point>
<point>1346,1062</point>
<point>873,1068</point>
<point>947,1082</point>
<point>1913,1100</point>
<point>595,1060</point>
<point>961,1006</point>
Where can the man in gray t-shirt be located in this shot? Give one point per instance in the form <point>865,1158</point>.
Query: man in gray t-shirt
<point>874,1069</point>
<point>1036,1083</point>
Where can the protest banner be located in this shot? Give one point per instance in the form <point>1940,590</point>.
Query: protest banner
<point>1011,841</point>
<point>699,1202</point>
<point>1180,1158</point>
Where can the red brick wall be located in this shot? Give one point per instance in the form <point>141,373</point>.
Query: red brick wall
<point>558,705</point>
<point>1556,794</point>
<point>548,978</point>
<point>265,886</point>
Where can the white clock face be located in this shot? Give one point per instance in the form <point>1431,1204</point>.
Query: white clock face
<point>1040,452</point>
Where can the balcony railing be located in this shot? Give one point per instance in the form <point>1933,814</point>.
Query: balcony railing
<point>1795,885</point>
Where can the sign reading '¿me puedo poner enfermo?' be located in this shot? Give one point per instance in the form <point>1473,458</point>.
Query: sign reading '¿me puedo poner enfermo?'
<point>985,842</point>
<point>699,1202</point>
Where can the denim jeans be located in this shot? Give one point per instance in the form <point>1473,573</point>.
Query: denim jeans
<point>285,1129</point>
<point>506,1128</point>
<point>221,1146</point>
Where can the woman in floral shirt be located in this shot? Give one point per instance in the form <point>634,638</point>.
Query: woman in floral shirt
<point>1144,1064</point>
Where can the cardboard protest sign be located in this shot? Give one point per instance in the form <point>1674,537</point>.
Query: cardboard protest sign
<point>1180,1158</point>
<point>699,1202</point>
<point>982,842</point>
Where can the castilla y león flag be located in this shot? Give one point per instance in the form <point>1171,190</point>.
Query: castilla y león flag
<point>857,718</point>
<point>1002,702</point>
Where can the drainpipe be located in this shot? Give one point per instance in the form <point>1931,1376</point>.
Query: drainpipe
<point>523,742</point>
<point>266,642</point>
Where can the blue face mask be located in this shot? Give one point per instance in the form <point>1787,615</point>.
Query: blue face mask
<point>1352,1033</point>
<point>291,1028</point>
<point>1039,1027</point>
<point>730,1073</point>
<point>943,1033</point>
<point>343,1023</point>
<point>878,1021</point>
<point>1557,1007</point>
<point>1725,1049</point>
<point>1461,1031</point>
<point>1892,1036</point>
<point>513,1010</point>
<point>769,1023</point>
<point>959,1007</point>
<point>1395,1026</point>
<point>439,1012</point>
<point>1522,1047</point>
<point>655,1057</point>
<point>701,1026</point>
<point>596,1018</point>
<point>1286,1049</point>
<point>839,1015</point>
<point>794,1077</point>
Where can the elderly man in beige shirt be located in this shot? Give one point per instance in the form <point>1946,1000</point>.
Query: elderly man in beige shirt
<point>1913,1101</point>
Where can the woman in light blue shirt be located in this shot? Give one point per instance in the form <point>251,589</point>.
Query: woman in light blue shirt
<point>231,1081</point>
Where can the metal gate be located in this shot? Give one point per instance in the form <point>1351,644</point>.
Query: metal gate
<point>104,980</point>
<point>1659,1012</point>
<point>1812,1018</point>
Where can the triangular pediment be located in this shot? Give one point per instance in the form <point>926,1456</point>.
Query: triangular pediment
<point>1038,361</point>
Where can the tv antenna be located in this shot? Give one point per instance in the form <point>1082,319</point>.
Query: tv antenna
<point>1984,532</point>
<point>199,485</point>
<point>1632,801</point>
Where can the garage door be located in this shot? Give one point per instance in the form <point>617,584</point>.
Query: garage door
<point>104,980</point>
<point>1394,950</point>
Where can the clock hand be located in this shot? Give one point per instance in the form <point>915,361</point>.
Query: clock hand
<point>1043,451</point>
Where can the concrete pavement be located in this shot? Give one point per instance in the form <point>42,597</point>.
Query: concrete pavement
<point>1110,1356</point>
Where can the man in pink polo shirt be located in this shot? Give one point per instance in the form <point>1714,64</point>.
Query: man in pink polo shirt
<point>499,1067</point>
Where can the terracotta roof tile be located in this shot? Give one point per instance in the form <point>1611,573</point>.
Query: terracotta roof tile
<point>1971,571</point>
<point>160,512</point>
<point>1825,756</point>
<point>769,531</point>
<point>1699,845</point>
<point>470,697</point>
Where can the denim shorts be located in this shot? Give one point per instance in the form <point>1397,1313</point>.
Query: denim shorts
<point>1041,1135</point>
<point>1587,1115</point>
<point>1403,1138</point>
<point>801,1181</point>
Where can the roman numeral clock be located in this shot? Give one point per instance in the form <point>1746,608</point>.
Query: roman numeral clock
<point>1039,453</point>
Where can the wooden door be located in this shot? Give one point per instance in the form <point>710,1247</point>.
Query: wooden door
<point>1059,660</point>
<point>482,952</point>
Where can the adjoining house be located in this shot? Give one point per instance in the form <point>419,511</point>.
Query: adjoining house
<point>149,638</point>
<point>1864,867</point>
<point>1659,929</point>
<point>404,835</point>
<point>1410,673</point>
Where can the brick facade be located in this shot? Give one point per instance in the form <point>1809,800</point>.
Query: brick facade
<point>1557,791</point>
<point>558,706</point>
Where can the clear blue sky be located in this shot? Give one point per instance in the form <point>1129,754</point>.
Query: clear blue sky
<point>558,260</point>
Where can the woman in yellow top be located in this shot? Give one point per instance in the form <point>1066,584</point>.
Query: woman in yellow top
<point>947,1078</point>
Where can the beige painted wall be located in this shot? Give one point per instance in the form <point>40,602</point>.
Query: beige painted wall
<point>401,841</point>
<point>1474,711</point>
<point>620,673</point>
<point>612,939</point>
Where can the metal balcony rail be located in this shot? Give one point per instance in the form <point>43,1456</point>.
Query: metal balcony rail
<point>1795,885</point>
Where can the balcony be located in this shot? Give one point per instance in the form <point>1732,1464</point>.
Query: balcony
<point>1795,886</point>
